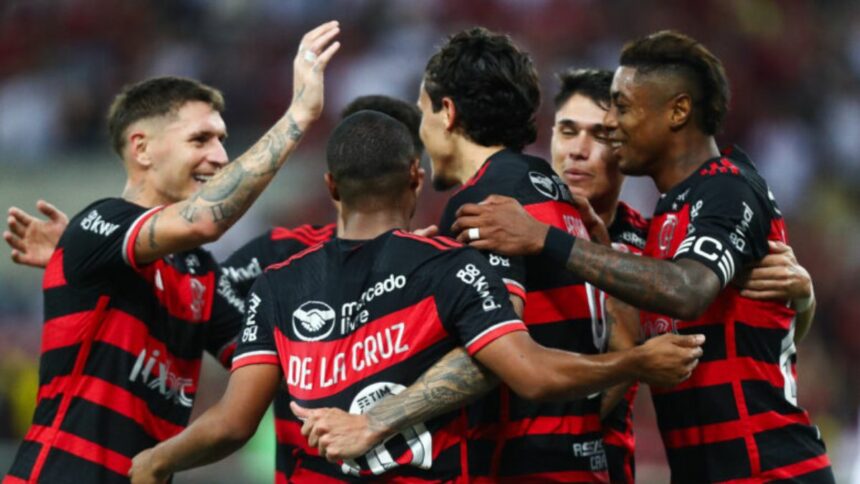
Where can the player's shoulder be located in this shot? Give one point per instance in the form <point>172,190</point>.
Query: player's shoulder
<point>527,178</point>
<point>306,235</point>
<point>418,247</point>
<point>732,170</point>
<point>297,261</point>
<point>102,218</point>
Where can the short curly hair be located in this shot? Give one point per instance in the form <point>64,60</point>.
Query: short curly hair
<point>591,83</point>
<point>493,84</point>
<point>672,52</point>
<point>406,113</point>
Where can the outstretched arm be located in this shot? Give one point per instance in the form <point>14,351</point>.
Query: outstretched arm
<point>217,433</point>
<point>223,199</point>
<point>681,289</point>
<point>33,240</point>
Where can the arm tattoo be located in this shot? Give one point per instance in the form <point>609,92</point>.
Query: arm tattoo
<point>152,243</point>
<point>650,284</point>
<point>451,383</point>
<point>188,212</point>
<point>225,185</point>
<point>293,131</point>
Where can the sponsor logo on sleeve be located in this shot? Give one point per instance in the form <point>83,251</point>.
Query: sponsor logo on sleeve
<point>472,277</point>
<point>94,223</point>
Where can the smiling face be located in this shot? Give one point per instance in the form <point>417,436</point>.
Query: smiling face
<point>185,149</point>
<point>638,122</point>
<point>580,156</point>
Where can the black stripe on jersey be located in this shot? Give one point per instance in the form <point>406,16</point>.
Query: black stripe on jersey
<point>447,459</point>
<point>117,371</point>
<point>88,420</point>
<point>821,476</point>
<point>715,340</point>
<point>763,397</point>
<point>617,418</point>
<point>481,456</point>
<point>522,409</point>
<point>46,411</point>
<point>695,407</point>
<point>65,300</point>
<point>571,335</point>
<point>65,468</point>
<point>25,459</point>
<point>533,454</point>
<point>57,363</point>
<point>788,445</point>
<point>762,344</point>
<point>184,340</point>
<point>720,461</point>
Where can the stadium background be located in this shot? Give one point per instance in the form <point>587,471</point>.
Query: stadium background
<point>794,67</point>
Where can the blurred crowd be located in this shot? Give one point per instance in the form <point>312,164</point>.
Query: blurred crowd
<point>794,67</point>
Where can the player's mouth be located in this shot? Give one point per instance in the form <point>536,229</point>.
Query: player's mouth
<point>201,178</point>
<point>574,175</point>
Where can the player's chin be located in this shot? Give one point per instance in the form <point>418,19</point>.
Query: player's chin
<point>442,183</point>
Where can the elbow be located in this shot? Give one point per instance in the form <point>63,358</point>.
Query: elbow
<point>688,304</point>
<point>205,232</point>
<point>235,434</point>
<point>538,390</point>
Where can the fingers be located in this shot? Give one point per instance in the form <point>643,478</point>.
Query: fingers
<point>689,340</point>
<point>777,247</point>
<point>471,208</point>
<point>430,231</point>
<point>767,295</point>
<point>14,241</point>
<point>52,212</point>
<point>774,272</point>
<point>463,223</point>
<point>19,216</point>
<point>299,411</point>
<point>319,31</point>
<point>322,60</point>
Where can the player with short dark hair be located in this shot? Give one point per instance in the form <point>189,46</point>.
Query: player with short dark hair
<point>737,417</point>
<point>130,302</point>
<point>352,320</point>
<point>406,113</point>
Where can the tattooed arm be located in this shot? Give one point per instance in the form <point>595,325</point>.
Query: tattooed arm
<point>222,200</point>
<point>681,289</point>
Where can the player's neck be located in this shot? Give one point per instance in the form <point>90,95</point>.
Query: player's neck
<point>606,210</point>
<point>369,224</point>
<point>683,158</point>
<point>470,157</point>
<point>141,194</point>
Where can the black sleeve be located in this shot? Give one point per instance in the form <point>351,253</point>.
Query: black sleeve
<point>473,303</point>
<point>101,239</point>
<point>225,322</point>
<point>244,265</point>
<point>512,270</point>
<point>728,226</point>
<point>256,339</point>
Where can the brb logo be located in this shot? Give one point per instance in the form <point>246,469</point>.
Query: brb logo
<point>379,459</point>
<point>313,321</point>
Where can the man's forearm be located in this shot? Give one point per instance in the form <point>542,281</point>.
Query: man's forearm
<point>651,284</point>
<point>205,441</point>
<point>454,381</point>
<point>228,195</point>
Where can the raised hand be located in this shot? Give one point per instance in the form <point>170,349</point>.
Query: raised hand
<point>777,276</point>
<point>33,240</point>
<point>315,51</point>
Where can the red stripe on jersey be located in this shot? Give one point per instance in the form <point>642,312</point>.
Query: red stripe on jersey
<point>54,272</point>
<point>515,288</point>
<point>93,452</point>
<point>87,336</point>
<point>568,424</point>
<point>332,366</point>
<point>296,256</point>
<point>133,232</point>
<point>225,356</point>
<point>13,480</point>
<point>711,433</point>
<point>289,432</point>
<point>448,241</point>
<point>302,475</point>
<point>306,234</point>
<point>540,478</point>
<point>798,468</point>
<point>477,176</point>
<point>251,359</point>
<point>559,304</point>
<point>727,371</point>
<point>559,214</point>
<point>426,240</point>
<point>185,296</point>
<point>493,333</point>
<point>66,330</point>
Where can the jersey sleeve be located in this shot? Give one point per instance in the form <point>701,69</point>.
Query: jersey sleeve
<point>244,265</point>
<point>728,226</point>
<point>102,238</point>
<point>225,322</point>
<point>256,337</point>
<point>473,302</point>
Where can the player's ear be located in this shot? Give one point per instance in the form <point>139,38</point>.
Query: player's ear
<point>332,186</point>
<point>681,109</point>
<point>450,113</point>
<point>416,176</point>
<point>137,143</point>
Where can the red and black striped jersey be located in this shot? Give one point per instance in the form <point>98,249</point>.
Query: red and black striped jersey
<point>512,438</point>
<point>628,232</point>
<point>350,322</point>
<point>737,417</point>
<point>240,270</point>
<point>121,348</point>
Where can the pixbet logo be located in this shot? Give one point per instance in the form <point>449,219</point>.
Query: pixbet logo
<point>167,383</point>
